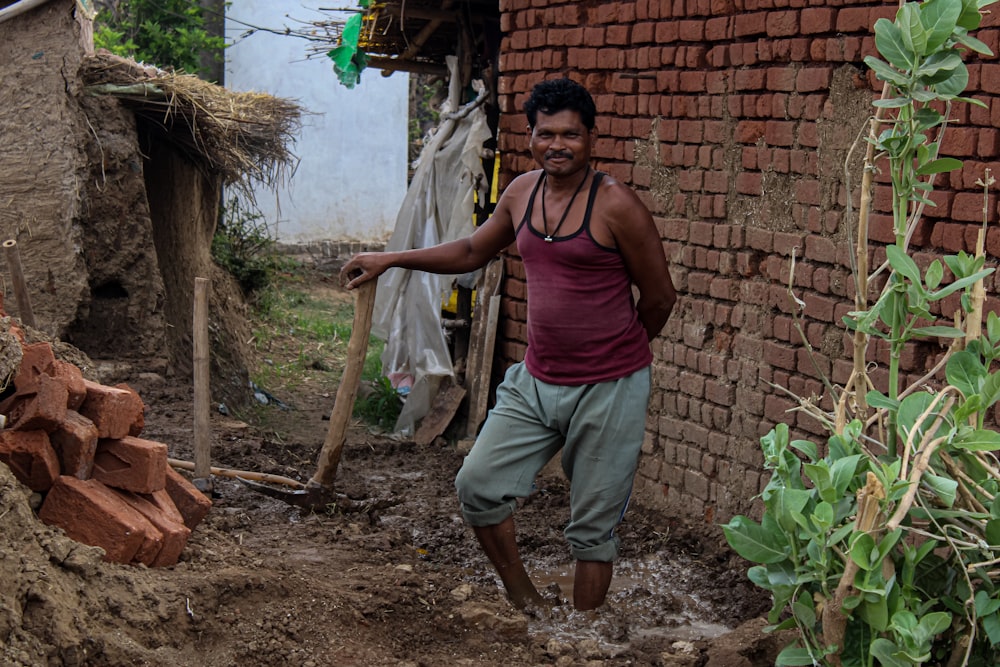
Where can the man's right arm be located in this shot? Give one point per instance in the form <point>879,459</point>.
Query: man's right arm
<point>454,257</point>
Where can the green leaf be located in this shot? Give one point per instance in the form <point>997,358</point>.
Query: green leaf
<point>788,502</point>
<point>804,610</point>
<point>908,417</point>
<point>794,656</point>
<point>931,625</point>
<point>819,473</point>
<point>990,389</point>
<point>903,264</point>
<point>842,472</point>
<point>875,613</point>
<point>889,42</point>
<point>823,514</point>
<point>939,67</point>
<point>955,84</point>
<point>939,166</point>
<point>985,605</point>
<point>891,103</point>
<point>970,18</point>
<point>877,399</point>
<point>961,283</point>
<point>911,29</point>
<point>991,624</point>
<point>972,43</point>
<point>806,447</point>
<point>938,332</point>
<point>754,542</point>
<point>934,275</point>
<point>943,487</point>
<point>886,73</point>
<point>939,18</point>
<point>965,372</point>
<point>980,440</point>
<point>862,547</point>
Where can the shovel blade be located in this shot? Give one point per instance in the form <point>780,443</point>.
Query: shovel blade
<point>312,498</point>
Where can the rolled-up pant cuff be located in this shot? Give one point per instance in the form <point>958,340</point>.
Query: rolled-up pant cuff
<point>490,517</point>
<point>603,553</point>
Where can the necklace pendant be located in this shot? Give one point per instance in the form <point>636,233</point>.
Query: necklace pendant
<point>548,239</point>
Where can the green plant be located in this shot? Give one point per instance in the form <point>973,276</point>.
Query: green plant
<point>243,246</point>
<point>165,33</point>
<point>382,405</point>
<point>882,551</point>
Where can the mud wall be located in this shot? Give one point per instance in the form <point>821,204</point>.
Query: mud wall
<point>735,120</point>
<point>39,57</point>
<point>71,194</point>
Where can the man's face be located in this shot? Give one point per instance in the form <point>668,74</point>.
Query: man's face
<point>561,143</point>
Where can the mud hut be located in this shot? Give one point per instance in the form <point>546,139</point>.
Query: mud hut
<point>111,174</point>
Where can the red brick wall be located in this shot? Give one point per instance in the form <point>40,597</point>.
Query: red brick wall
<point>733,120</point>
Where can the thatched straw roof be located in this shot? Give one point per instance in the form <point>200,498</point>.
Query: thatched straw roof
<point>242,137</point>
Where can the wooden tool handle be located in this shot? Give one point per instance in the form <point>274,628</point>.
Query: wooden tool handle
<point>343,406</point>
<point>245,474</point>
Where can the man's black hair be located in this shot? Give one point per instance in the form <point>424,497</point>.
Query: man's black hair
<point>557,95</point>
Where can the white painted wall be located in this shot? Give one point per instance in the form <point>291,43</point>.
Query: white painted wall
<point>351,177</point>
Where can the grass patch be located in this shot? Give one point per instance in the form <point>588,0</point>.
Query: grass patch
<point>302,328</point>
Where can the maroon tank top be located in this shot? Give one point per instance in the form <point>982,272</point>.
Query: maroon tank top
<point>583,326</point>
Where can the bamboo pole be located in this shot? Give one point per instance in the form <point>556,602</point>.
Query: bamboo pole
<point>13,256</point>
<point>202,397</point>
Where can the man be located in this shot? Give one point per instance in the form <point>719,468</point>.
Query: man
<point>584,384</point>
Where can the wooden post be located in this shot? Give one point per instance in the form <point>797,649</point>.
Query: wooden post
<point>202,393</point>
<point>343,404</point>
<point>13,256</point>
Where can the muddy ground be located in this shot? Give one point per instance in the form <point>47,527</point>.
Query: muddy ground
<point>263,583</point>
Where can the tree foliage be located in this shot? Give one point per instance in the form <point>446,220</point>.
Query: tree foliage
<point>165,33</point>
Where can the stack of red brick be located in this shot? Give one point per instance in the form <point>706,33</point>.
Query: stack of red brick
<point>76,442</point>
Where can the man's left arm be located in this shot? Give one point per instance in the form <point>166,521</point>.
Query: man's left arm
<point>642,250</point>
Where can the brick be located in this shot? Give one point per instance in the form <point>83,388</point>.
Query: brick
<point>189,501</point>
<point>135,428</point>
<point>37,359</point>
<point>132,464</point>
<point>73,378</point>
<point>43,409</point>
<point>93,514</point>
<point>114,411</point>
<point>172,529</point>
<point>75,443</point>
<point>30,457</point>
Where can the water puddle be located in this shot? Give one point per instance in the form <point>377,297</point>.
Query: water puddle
<point>647,603</point>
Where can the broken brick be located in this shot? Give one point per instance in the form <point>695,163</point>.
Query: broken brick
<point>43,409</point>
<point>75,442</point>
<point>73,377</point>
<point>174,533</point>
<point>114,411</point>
<point>93,514</point>
<point>139,423</point>
<point>190,502</point>
<point>132,464</point>
<point>37,359</point>
<point>30,457</point>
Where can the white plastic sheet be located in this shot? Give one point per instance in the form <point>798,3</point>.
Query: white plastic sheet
<point>438,207</point>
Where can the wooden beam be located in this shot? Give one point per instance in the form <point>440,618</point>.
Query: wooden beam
<point>389,65</point>
<point>422,13</point>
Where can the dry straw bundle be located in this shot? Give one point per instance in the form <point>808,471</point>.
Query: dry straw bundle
<point>241,136</point>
